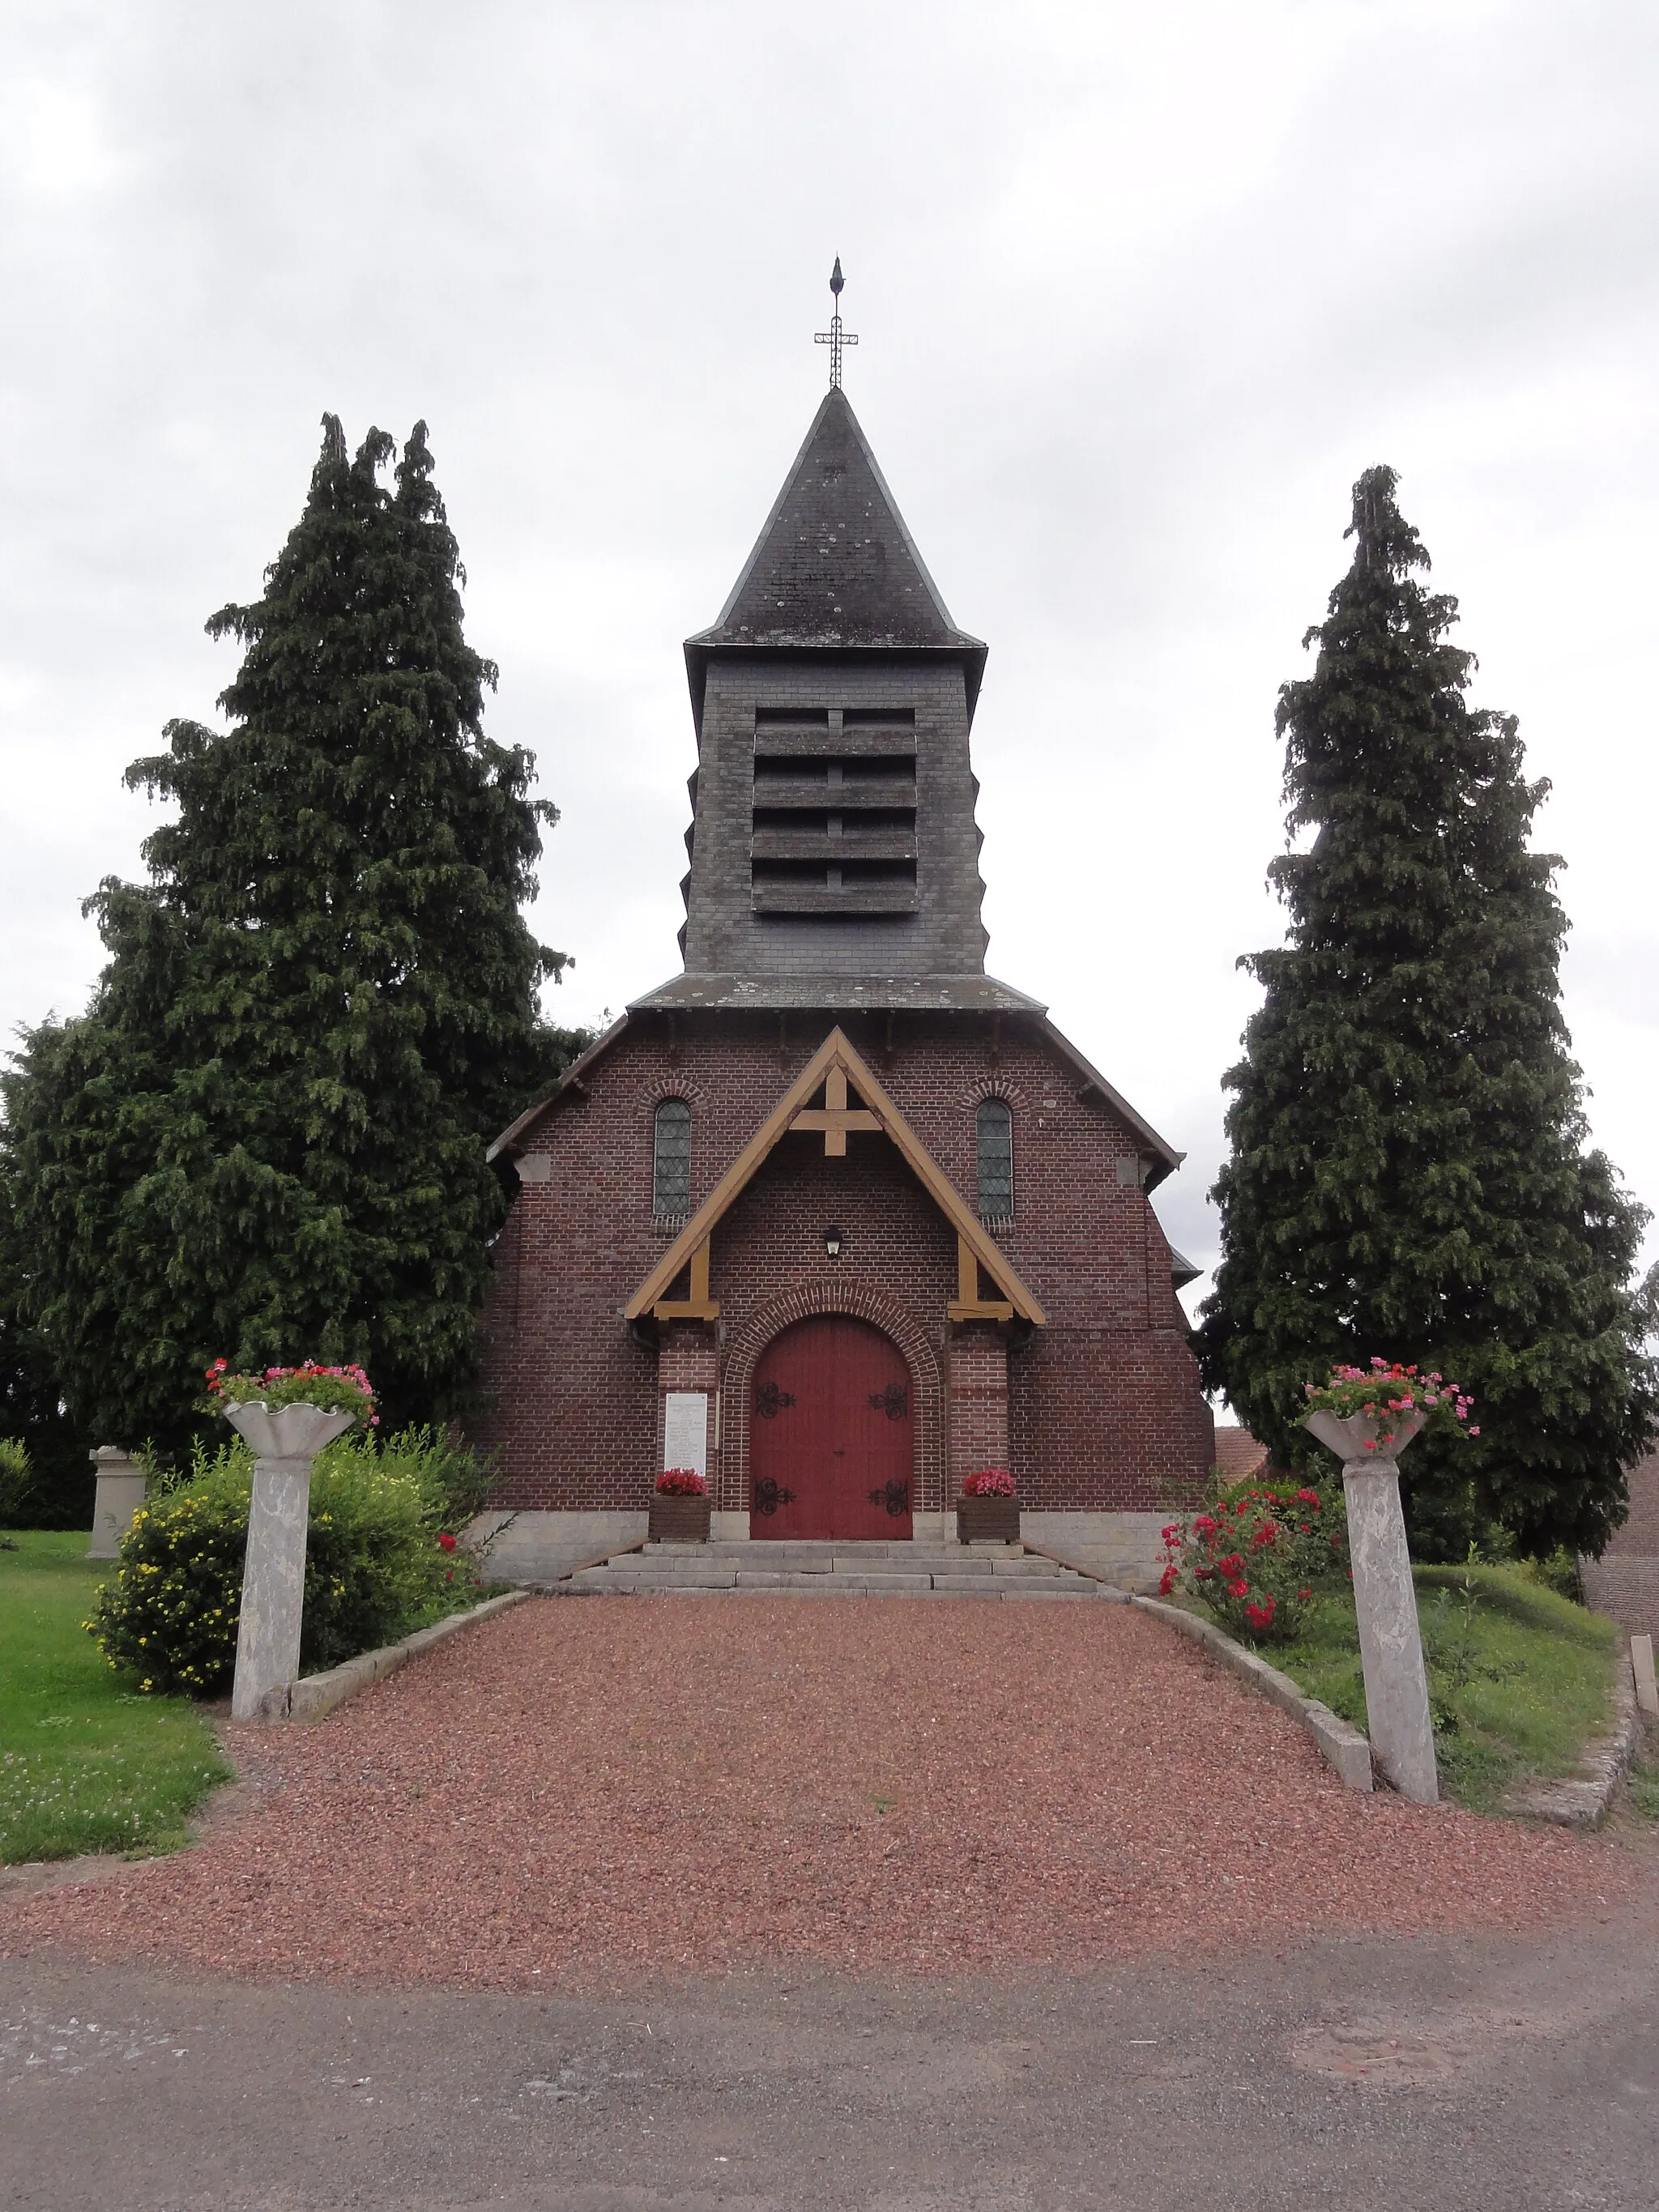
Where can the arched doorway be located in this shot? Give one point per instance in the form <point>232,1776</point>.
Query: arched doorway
<point>832,1436</point>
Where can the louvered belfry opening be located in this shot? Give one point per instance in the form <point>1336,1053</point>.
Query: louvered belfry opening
<point>834,820</point>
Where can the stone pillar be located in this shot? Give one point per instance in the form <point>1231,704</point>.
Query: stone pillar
<point>1385,1600</point>
<point>979,1403</point>
<point>285,1441</point>
<point>1647,1689</point>
<point>120,1494</point>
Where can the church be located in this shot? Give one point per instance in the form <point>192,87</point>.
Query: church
<point>833,1216</point>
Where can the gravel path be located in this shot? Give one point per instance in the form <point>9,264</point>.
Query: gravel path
<point>587,1787</point>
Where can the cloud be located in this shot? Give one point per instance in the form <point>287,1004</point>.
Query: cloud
<point>1139,294</point>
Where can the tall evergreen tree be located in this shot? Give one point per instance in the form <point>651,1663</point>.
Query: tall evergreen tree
<point>266,1139</point>
<point>60,1490</point>
<point>1408,1172</point>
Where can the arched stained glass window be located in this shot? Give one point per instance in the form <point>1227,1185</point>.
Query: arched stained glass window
<point>671,1162</point>
<point>995,1159</point>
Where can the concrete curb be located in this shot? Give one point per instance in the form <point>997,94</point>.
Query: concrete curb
<point>1582,1800</point>
<point>1343,1746</point>
<point>314,1695</point>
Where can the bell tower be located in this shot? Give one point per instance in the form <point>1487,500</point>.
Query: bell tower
<point>834,842</point>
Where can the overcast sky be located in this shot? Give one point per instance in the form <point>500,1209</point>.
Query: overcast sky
<point>1140,292</point>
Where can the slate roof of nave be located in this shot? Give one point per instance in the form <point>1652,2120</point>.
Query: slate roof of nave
<point>919,994</point>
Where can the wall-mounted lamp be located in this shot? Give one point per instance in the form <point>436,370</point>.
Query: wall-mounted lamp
<point>832,1242</point>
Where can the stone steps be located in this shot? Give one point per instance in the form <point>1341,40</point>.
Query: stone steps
<point>997,1571</point>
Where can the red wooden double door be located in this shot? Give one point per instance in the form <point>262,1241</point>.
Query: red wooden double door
<point>831,1434</point>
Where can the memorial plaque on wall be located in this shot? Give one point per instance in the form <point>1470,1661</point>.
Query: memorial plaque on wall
<point>686,1430</point>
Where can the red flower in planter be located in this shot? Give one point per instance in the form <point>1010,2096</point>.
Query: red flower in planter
<point>275,1385</point>
<point>681,1482</point>
<point>990,1482</point>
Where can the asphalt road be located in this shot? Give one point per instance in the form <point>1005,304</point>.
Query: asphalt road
<point>1456,2074</point>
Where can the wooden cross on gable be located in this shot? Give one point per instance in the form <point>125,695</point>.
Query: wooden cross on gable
<point>835,1117</point>
<point>832,1069</point>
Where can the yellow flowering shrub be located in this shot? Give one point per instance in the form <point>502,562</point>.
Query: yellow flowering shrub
<point>376,1566</point>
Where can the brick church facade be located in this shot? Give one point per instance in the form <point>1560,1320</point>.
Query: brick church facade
<point>834,1215</point>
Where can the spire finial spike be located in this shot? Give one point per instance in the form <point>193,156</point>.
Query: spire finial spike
<point>835,337</point>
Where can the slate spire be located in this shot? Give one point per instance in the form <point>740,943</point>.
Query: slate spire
<point>835,565</point>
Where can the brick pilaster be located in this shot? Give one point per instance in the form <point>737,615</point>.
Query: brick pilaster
<point>688,1358</point>
<point>979,1401</point>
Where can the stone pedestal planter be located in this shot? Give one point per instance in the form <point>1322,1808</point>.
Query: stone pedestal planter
<point>1390,1642</point>
<point>285,1440</point>
<point>987,1520</point>
<point>120,1494</point>
<point>678,1520</point>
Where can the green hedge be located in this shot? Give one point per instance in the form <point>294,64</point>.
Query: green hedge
<point>375,1564</point>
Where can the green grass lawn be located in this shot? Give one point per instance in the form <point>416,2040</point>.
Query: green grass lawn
<point>1519,1679</point>
<point>87,1763</point>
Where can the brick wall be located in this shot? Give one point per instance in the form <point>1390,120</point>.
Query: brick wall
<point>1102,1410</point>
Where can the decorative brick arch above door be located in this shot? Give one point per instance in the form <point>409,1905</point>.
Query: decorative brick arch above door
<point>862,1301</point>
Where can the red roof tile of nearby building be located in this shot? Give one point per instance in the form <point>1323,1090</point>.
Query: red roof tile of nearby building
<point>1237,1454</point>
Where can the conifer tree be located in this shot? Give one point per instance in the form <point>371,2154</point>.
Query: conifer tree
<point>1408,1173</point>
<point>266,1139</point>
<point>58,1493</point>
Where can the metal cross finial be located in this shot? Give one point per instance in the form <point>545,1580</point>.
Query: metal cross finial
<point>835,337</point>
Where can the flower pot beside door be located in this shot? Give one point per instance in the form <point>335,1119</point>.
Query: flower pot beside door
<point>680,1507</point>
<point>987,1511</point>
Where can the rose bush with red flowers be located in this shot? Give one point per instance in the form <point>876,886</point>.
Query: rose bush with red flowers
<point>1257,1558</point>
<point>681,1482</point>
<point>1385,1392</point>
<point>989,1482</point>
